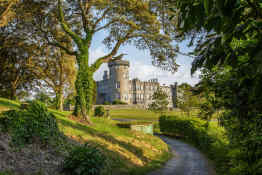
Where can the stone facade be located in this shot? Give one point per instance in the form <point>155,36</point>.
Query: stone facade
<point>116,85</point>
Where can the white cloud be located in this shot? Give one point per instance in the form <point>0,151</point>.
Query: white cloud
<point>145,71</point>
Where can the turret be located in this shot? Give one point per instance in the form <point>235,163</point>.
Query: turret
<point>119,77</point>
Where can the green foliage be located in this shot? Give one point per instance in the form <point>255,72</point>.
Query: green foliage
<point>35,124</point>
<point>100,111</point>
<point>119,102</point>
<point>84,160</point>
<point>44,98</point>
<point>191,130</point>
<point>186,100</point>
<point>6,173</point>
<point>160,102</point>
<point>107,103</point>
<point>229,50</point>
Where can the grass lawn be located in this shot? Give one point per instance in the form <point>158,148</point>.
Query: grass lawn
<point>128,152</point>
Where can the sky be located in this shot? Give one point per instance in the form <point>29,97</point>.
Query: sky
<point>141,66</point>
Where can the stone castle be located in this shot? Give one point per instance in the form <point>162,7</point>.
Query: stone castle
<point>116,85</point>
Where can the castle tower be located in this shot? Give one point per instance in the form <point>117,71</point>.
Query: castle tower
<point>119,78</point>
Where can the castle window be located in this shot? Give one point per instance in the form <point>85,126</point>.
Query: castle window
<point>117,84</point>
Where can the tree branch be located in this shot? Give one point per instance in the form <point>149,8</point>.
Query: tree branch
<point>105,26</point>
<point>57,44</point>
<point>95,66</point>
<point>2,20</point>
<point>84,19</point>
<point>101,18</point>
<point>66,28</point>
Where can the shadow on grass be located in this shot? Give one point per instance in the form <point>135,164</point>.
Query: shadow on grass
<point>8,103</point>
<point>95,133</point>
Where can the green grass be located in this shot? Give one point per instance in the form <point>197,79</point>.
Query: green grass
<point>128,152</point>
<point>6,104</point>
<point>141,114</point>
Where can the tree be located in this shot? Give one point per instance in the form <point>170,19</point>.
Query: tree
<point>43,97</point>
<point>186,100</point>
<point>57,70</point>
<point>6,11</point>
<point>160,102</point>
<point>229,47</point>
<point>15,76</point>
<point>125,22</point>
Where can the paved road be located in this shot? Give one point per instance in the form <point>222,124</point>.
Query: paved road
<point>187,160</point>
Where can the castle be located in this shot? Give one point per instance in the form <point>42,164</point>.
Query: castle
<point>117,86</point>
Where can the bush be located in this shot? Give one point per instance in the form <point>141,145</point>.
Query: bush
<point>84,160</point>
<point>119,102</point>
<point>107,103</point>
<point>30,125</point>
<point>100,111</point>
<point>190,130</point>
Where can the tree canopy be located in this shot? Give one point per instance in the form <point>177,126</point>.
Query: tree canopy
<point>160,101</point>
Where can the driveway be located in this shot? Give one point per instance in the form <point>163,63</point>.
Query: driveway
<point>187,160</point>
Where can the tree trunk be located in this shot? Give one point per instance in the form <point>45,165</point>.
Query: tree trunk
<point>84,88</point>
<point>59,100</point>
<point>13,93</point>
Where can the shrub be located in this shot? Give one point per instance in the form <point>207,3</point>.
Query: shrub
<point>30,125</point>
<point>119,102</point>
<point>100,111</point>
<point>84,160</point>
<point>190,130</point>
<point>107,103</point>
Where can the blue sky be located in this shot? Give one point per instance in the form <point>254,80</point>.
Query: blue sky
<point>140,63</point>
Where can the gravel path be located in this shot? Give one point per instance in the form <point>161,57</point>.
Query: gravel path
<point>187,160</point>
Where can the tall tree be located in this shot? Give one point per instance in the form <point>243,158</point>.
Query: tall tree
<point>15,76</point>
<point>125,22</point>
<point>186,100</point>
<point>57,70</point>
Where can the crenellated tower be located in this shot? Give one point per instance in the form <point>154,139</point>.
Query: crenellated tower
<point>119,78</point>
